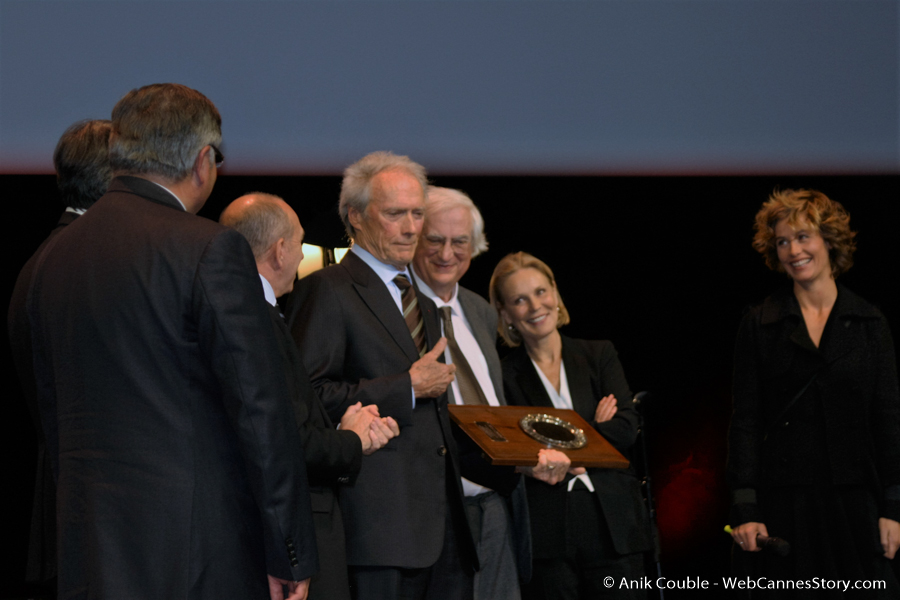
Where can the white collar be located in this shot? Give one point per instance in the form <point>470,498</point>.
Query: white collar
<point>385,272</point>
<point>426,289</point>
<point>268,291</point>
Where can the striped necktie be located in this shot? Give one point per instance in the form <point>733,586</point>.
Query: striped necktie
<point>469,388</point>
<point>412,314</point>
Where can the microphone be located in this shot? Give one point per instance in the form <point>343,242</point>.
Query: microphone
<point>775,545</point>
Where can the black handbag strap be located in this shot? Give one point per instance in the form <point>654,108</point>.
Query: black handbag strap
<point>790,404</point>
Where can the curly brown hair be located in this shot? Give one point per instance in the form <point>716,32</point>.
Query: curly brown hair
<point>823,214</point>
<point>506,267</point>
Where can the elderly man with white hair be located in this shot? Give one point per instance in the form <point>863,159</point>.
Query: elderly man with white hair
<point>495,500</point>
<point>366,335</point>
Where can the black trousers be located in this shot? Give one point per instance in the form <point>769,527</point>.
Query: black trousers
<point>590,568</point>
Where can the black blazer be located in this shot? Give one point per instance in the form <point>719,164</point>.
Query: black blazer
<point>333,457</point>
<point>162,394</point>
<point>855,388</point>
<point>593,371</point>
<point>357,348</point>
<point>41,563</point>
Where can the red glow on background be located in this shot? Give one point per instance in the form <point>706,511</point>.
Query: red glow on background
<point>691,495</point>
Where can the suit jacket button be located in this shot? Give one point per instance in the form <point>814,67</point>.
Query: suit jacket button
<point>294,562</point>
<point>343,479</point>
<point>442,451</point>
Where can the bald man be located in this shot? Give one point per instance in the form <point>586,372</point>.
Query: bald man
<point>333,456</point>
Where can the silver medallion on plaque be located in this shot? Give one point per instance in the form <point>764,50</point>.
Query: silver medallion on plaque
<point>553,431</point>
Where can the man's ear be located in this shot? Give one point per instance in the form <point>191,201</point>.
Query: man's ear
<point>277,255</point>
<point>201,171</point>
<point>355,217</point>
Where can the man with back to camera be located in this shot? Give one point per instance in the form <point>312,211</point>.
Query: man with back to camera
<point>495,499</point>
<point>180,471</point>
<point>406,530</point>
<point>81,160</point>
<point>333,456</point>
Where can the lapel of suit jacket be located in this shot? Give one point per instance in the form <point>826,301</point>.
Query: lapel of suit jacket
<point>578,375</point>
<point>528,379</point>
<point>375,294</point>
<point>485,338</point>
<point>66,218</point>
<point>840,337</point>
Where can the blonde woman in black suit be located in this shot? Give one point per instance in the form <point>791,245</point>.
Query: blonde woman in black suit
<point>592,526</point>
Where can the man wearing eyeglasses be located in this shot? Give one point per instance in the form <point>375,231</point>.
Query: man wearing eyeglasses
<point>495,501</point>
<point>180,471</point>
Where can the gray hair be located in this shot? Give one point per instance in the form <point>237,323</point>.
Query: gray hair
<point>440,199</point>
<point>81,160</point>
<point>357,184</point>
<point>159,129</point>
<point>262,222</point>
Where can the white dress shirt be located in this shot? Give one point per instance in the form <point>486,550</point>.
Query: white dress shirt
<point>472,351</point>
<point>465,339</point>
<point>562,399</point>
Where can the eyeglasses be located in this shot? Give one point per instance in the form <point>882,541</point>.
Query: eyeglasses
<point>219,158</point>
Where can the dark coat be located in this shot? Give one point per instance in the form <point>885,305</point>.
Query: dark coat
<point>41,564</point>
<point>855,439</point>
<point>163,399</point>
<point>593,371</point>
<point>333,457</point>
<point>357,348</point>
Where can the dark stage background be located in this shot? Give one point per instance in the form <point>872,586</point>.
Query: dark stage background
<point>662,266</point>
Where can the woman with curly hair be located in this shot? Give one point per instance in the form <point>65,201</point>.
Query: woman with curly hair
<point>814,453</point>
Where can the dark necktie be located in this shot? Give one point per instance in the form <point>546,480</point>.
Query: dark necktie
<point>412,314</point>
<point>468,385</point>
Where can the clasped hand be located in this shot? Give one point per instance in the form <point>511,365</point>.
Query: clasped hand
<point>373,430</point>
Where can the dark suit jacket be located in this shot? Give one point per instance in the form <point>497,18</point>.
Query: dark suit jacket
<point>41,564</point>
<point>332,457</point>
<point>593,371</point>
<point>857,424</point>
<point>483,319</point>
<point>163,399</point>
<point>357,348</point>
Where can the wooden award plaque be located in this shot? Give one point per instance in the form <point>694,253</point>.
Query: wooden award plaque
<point>497,432</point>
